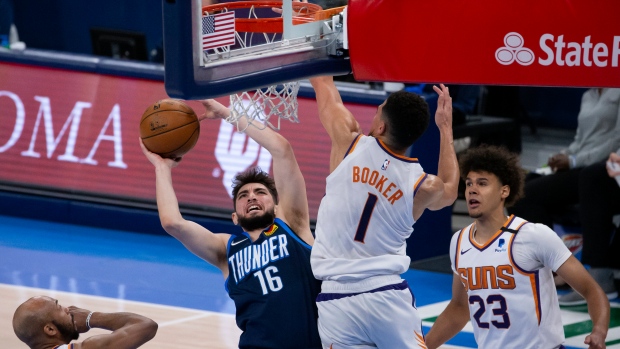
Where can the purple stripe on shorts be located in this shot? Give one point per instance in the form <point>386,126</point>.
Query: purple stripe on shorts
<point>324,297</point>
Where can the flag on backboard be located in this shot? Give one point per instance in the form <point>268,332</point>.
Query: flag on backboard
<point>218,30</point>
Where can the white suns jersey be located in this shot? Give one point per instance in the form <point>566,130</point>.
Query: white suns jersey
<point>509,306</point>
<point>366,214</point>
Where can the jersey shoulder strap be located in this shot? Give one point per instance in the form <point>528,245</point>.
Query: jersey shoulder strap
<point>514,226</point>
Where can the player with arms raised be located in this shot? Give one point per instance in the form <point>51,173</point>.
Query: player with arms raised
<point>373,197</point>
<point>267,267</point>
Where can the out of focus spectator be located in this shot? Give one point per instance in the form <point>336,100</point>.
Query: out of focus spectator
<point>599,201</point>
<point>598,134</point>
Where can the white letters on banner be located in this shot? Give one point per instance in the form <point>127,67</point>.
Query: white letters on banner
<point>556,50</point>
<point>73,120</point>
<point>574,54</point>
<point>20,118</point>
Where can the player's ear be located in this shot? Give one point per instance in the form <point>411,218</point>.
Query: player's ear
<point>505,191</point>
<point>382,128</point>
<point>234,218</point>
<point>50,329</point>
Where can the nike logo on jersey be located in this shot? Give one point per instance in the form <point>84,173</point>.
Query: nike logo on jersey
<point>463,252</point>
<point>237,243</point>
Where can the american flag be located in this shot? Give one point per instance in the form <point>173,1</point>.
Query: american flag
<point>218,30</point>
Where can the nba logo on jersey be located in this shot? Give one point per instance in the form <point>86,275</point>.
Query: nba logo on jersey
<point>501,246</point>
<point>385,165</point>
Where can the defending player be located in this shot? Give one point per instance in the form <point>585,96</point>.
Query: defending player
<point>267,268</point>
<point>373,197</point>
<point>42,323</point>
<point>503,267</point>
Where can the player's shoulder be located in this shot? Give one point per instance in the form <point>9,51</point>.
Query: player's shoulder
<point>460,232</point>
<point>355,142</point>
<point>457,233</point>
<point>528,227</point>
<point>534,232</point>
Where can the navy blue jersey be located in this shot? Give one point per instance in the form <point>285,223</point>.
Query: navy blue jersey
<point>274,290</point>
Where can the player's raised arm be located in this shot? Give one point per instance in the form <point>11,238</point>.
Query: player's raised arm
<point>448,168</point>
<point>129,330</point>
<point>440,191</point>
<point>199,240</point>
<point>337,120</point>
<point>293,200</point>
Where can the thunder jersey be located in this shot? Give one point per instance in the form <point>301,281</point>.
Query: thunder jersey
<point>510,306</point>
<point>366,214</point>
<point>273,288</point>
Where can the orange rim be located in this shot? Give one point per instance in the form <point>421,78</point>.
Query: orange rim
<point>266,25</point>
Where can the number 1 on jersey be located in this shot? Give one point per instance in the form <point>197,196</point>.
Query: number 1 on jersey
<point>362,226</point>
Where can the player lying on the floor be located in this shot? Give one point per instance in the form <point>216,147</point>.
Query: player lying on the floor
<point>42,323</point>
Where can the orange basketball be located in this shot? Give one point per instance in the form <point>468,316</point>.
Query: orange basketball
<point>169,128</point>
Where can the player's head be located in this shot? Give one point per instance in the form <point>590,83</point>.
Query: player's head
<point>41,320</point>
<point>401,119</point>
<point>493,179</point>
<point>254,198</point>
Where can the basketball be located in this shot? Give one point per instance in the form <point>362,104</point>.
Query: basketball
<point>169,128</point>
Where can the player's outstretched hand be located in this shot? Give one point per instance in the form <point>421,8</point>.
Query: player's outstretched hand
<point>157,160</point>
<point>79,318</point>
<point>595,340</point>
<point>213,110</point>
<point>443,115</point>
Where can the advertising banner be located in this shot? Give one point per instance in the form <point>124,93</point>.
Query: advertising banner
<point>78,132</point>
<point>516,42</point>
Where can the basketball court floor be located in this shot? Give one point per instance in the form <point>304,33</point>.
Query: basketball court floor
<point>106,270</point>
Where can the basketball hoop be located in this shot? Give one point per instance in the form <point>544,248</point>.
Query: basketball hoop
<point>248,29</point>
<point>262,104</point>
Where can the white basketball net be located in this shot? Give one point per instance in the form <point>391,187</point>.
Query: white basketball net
<point>266,106</point>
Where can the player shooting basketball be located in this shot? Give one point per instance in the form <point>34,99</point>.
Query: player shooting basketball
<point>360,244</point>
<point>267,267</point>
<point>503,267</point>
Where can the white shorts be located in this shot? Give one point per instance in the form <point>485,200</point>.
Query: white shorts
<point>381,317</point>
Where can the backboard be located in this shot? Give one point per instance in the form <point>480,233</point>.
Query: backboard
<point>229,47</point>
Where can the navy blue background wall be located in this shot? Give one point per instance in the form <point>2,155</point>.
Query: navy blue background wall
<point>64,25</point>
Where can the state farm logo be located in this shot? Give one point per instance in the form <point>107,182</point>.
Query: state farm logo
<point>559,51</point>
<point>513,50</point>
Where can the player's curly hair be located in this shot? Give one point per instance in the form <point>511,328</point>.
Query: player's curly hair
<point>498,161</point>
<point>406,116</point>
<point>253,175</point>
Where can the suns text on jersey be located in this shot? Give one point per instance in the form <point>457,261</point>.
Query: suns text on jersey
<point>486,277</point>
<point>257,256</point>
<point>378,181</point>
